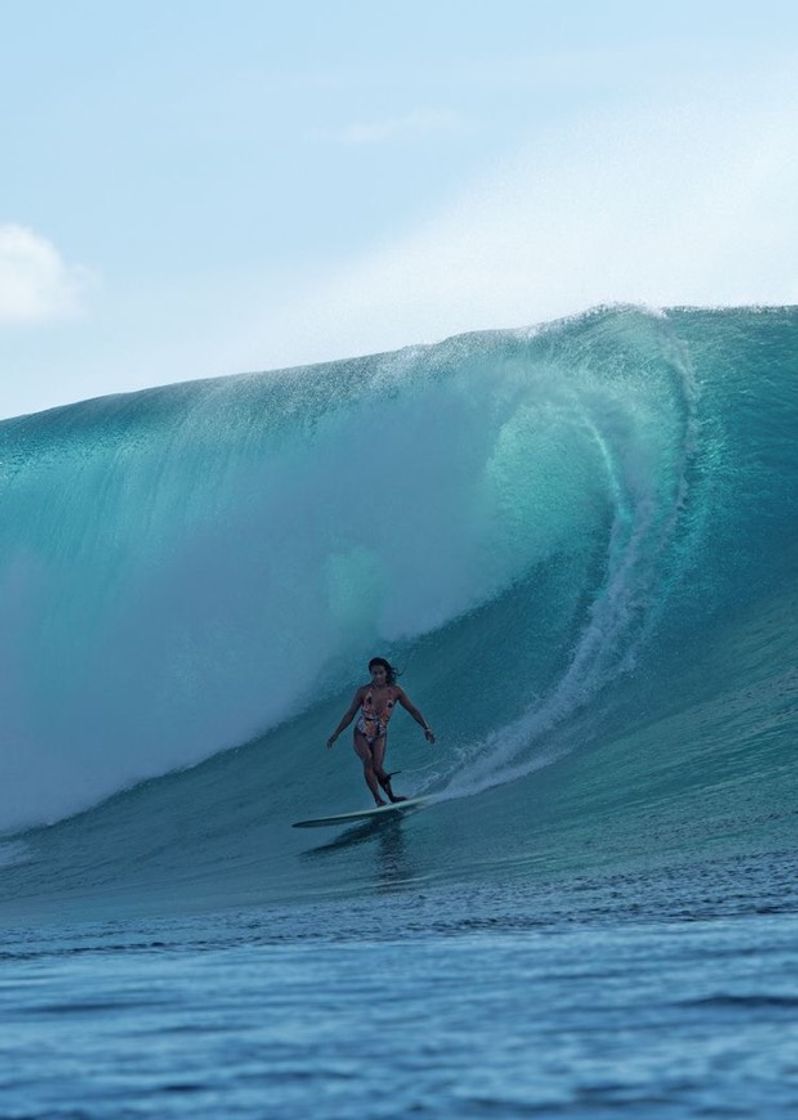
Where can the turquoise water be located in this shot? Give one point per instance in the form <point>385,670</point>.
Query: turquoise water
<point>662,1020</point>
<point>580,543</point>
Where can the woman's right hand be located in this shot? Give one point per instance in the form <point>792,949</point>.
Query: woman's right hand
<point>331,741</point>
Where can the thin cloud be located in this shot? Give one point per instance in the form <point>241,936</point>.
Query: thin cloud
<point>663,205</point>
<point>421,122</point>
<point>36,284</point>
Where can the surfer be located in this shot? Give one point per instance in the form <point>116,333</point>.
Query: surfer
<point>376,702</point>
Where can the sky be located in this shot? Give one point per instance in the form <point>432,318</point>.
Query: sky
<point>197,189</point>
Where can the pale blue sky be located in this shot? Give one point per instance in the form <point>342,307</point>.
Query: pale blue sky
<point>201,188</point>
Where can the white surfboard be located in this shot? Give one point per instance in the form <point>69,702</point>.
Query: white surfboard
<point>363,814</point>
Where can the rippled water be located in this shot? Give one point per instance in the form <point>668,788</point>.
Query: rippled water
<point>479,1002</point>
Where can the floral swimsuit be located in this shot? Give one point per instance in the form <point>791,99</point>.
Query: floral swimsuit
<point>373,724</point>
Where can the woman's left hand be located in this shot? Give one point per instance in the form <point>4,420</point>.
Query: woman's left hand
<point>428,735</point>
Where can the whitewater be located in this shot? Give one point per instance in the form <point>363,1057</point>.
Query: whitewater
<point>579,543</point>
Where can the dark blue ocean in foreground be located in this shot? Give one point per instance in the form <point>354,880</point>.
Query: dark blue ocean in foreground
<point>581,544</point>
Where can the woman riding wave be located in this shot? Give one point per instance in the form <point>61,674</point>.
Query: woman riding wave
<point>376,702</point>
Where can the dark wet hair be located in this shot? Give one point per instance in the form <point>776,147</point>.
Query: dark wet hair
<point>390,673</point>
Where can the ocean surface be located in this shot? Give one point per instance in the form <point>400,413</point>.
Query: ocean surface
<point>579,542</point>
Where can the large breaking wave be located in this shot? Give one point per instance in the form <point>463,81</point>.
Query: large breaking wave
<point>544,526</point>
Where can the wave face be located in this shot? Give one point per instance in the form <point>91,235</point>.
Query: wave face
<point>580,540</point>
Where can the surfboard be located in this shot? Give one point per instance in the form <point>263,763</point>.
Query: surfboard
<point>397,808</point>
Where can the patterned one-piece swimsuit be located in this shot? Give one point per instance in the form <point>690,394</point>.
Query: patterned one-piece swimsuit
<point>372,723</point>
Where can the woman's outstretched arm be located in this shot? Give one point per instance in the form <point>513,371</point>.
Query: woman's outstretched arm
<point>404,700</point>
<point>346,718</point>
